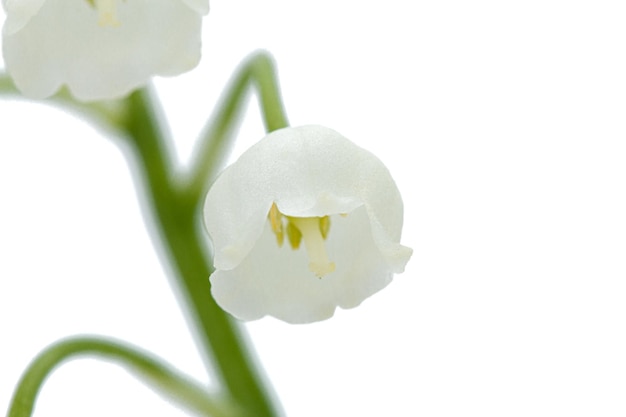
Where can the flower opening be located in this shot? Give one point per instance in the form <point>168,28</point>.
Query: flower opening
<point>313,230</point>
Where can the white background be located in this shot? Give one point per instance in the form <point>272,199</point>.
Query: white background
<point>503,123</point>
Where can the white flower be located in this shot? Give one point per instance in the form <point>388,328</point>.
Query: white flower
<point>99,49</point>
<point>306,185</point>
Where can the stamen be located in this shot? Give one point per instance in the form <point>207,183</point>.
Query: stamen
<point>294,235</point>
<point>319,263</point>
<point>325,226</point>
<point>276,220</point>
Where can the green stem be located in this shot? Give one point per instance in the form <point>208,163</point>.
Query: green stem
<point>7,87</point>
<point>151,370</point>
<point>175,201</point>
<point>177,219</point>
<point>259,71</point>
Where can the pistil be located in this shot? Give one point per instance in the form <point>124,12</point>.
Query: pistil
<point>311,232</point>
<point>107,12</point>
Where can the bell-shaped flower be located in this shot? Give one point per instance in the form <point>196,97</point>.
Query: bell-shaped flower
<point>304,221</point>
<point>99,49</point>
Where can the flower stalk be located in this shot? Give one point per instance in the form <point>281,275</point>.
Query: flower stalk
<point>153,371</point>
<point>174,198</point>
<point>258,71</point>
<point>176,211</point>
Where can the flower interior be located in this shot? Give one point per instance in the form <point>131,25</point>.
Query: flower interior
<point>313,230</point>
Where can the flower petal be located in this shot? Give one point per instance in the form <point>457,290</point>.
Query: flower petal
<point>19,13</point>
<point>199,6</point>
<point>275,281</point>
<point>307,171</point>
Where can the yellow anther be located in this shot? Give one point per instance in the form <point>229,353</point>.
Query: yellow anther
<point>325,226</point>
<point>276,221</point>
<point>294,235</point>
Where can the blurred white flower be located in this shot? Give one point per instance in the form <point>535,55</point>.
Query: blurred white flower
<point>99,49</point>
<point>303,222</point>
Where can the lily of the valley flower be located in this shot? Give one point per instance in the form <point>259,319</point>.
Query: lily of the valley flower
<point>303,222</point>
<point>99,49</point>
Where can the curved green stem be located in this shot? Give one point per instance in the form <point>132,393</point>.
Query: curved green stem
<point>178,224</point>
<point>151,370</point>
<point>174,199</point>
<point>259,71</point>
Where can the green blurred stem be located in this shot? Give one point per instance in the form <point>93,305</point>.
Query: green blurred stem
<point>174,198</point>
<point>170,383</point>
<point>176,207</point>
<point>258,71</point>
